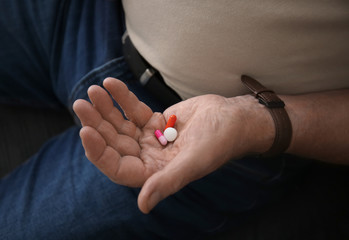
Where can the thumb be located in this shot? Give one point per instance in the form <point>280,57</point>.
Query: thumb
<point>156,188</point>
<point>177,174</point>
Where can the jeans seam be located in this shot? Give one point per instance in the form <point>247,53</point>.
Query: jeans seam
<point>115,68</point>
<point>92,75</point>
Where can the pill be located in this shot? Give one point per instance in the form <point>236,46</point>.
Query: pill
<point>171,121</point>
<point>160,137</point>
<point>170,134</point>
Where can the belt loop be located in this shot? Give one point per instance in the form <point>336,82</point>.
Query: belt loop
<point>145,77</point>
<point>148,76</point>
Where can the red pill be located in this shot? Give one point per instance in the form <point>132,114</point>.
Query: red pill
<point>171,121</point>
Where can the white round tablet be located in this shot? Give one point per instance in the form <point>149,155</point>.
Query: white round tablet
<point>170,134</point>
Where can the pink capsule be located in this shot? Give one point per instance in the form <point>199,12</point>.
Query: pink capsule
<point>160,137</point>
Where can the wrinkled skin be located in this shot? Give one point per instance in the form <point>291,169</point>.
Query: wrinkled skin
<point>211,130</point>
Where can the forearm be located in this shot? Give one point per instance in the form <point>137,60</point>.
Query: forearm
<point>320,124</point>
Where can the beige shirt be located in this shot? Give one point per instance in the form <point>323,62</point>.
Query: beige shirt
<point>204,46</point>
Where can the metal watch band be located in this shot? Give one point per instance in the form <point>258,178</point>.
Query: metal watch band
<point>283,127</point>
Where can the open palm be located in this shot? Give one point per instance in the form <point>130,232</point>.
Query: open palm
<point>211,130</point>
<point>125,150</point>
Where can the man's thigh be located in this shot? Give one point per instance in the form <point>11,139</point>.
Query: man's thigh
<point>59,194</point>
<point>26,30</point>
<point>49,49</point>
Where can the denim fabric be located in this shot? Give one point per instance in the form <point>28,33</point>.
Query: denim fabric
<point>51,52</point>
<point>49,49</point>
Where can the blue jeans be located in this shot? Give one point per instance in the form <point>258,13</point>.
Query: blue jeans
<point>51,52</point>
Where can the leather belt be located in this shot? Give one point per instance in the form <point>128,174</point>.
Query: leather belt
<point>148,76</point>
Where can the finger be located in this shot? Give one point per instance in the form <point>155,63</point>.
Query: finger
<point>135,110</point>
<point>93,143</point>
<point>183,169</point>
<point>104,105</point>
<point>128,170</point>
<point>89,116</point>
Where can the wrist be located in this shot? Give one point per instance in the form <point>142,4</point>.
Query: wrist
<point>276,108</point>
<point>258,123</point>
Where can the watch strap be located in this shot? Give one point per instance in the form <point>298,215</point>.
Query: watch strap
<point>276,107</point>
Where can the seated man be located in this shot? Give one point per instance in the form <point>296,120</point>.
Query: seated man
<point>212,173</point>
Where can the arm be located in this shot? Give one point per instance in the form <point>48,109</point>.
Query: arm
<point>212,130</point>
<point>320,125</point>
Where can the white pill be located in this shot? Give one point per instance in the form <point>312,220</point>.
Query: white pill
<point>170,134</point>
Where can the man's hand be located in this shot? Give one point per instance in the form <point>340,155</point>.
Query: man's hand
<point>211,130</point>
